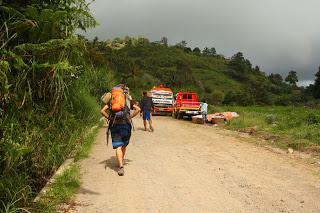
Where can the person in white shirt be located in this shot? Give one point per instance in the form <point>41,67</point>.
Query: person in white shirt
<point>204,111</point>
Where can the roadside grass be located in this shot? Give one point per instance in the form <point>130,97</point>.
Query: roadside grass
<point>10,207</point>
<point>67,184</point>
<point>60,191</point>
<point>295,127</point>
<point>87,144</point>
<point>35,142</point>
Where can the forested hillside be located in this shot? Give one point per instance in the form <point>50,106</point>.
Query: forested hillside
<point>143,64</point>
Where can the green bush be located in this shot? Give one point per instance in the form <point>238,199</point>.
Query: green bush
<point>271,118</point>
<point>312,118</point>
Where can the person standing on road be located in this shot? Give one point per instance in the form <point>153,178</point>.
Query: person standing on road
<point>120,129</point>
<point>204,111</point>
<point>147,107</point>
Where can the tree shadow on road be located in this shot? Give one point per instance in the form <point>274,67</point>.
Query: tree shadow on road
<point>112,163</point>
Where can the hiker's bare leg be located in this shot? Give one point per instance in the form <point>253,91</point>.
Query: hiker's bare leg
<point>145,125</point>
<point>119,155</point>
<point>124,149</point>
<point>150,125</point>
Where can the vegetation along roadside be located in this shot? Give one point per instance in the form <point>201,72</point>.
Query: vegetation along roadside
<point>66,184</point>
<point>49,94</point>
<point>283,126</point>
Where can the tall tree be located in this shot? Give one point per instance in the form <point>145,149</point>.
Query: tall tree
<point>316,87</point>
<point>292,78</point>
<point>240,66</point>
<point>164,41</point>
<point>95,40</point>
<point>209,52</point>
<point>256,69</point>
<point>212,51</point>
<point>277,83</point>
<point>275,78</point>
<point>182,44</point>
<point>197,50</point>
<point>206,51</point>
<point>188,50</point>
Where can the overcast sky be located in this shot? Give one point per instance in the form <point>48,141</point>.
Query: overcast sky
<point>277,35</point>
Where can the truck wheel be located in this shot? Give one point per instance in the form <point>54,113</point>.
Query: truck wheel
<point>180,115</point>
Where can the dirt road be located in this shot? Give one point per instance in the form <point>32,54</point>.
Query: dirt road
<point>183,167</point>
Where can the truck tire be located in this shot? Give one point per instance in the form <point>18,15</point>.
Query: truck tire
<point>180,115</point>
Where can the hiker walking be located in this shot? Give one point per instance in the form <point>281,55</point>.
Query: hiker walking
<point>204,111</point>
<point>117,111</point>
<point>147,107</point>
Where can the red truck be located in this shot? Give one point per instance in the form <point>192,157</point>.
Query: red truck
<point>186,104</point>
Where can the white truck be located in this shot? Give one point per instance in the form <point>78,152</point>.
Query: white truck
<point>162,98</point>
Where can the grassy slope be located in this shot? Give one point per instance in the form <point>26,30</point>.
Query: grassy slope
<point>295,127</point>
<point>216,80</point>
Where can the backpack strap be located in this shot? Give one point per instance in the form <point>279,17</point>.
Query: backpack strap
<point>111,121</point>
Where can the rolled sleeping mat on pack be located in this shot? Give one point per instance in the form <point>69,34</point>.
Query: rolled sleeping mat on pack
<point>106,97</point>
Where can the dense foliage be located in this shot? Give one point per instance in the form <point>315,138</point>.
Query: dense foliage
<point>143,64</point>
<point>47,95</point>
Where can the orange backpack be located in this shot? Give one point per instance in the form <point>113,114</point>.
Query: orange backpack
<point>118,99</point>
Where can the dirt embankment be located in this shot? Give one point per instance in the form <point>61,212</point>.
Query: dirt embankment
<point>183,167</point>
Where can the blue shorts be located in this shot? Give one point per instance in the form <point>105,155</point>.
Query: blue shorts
<point>120,134</point>
<point>146,115</point>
